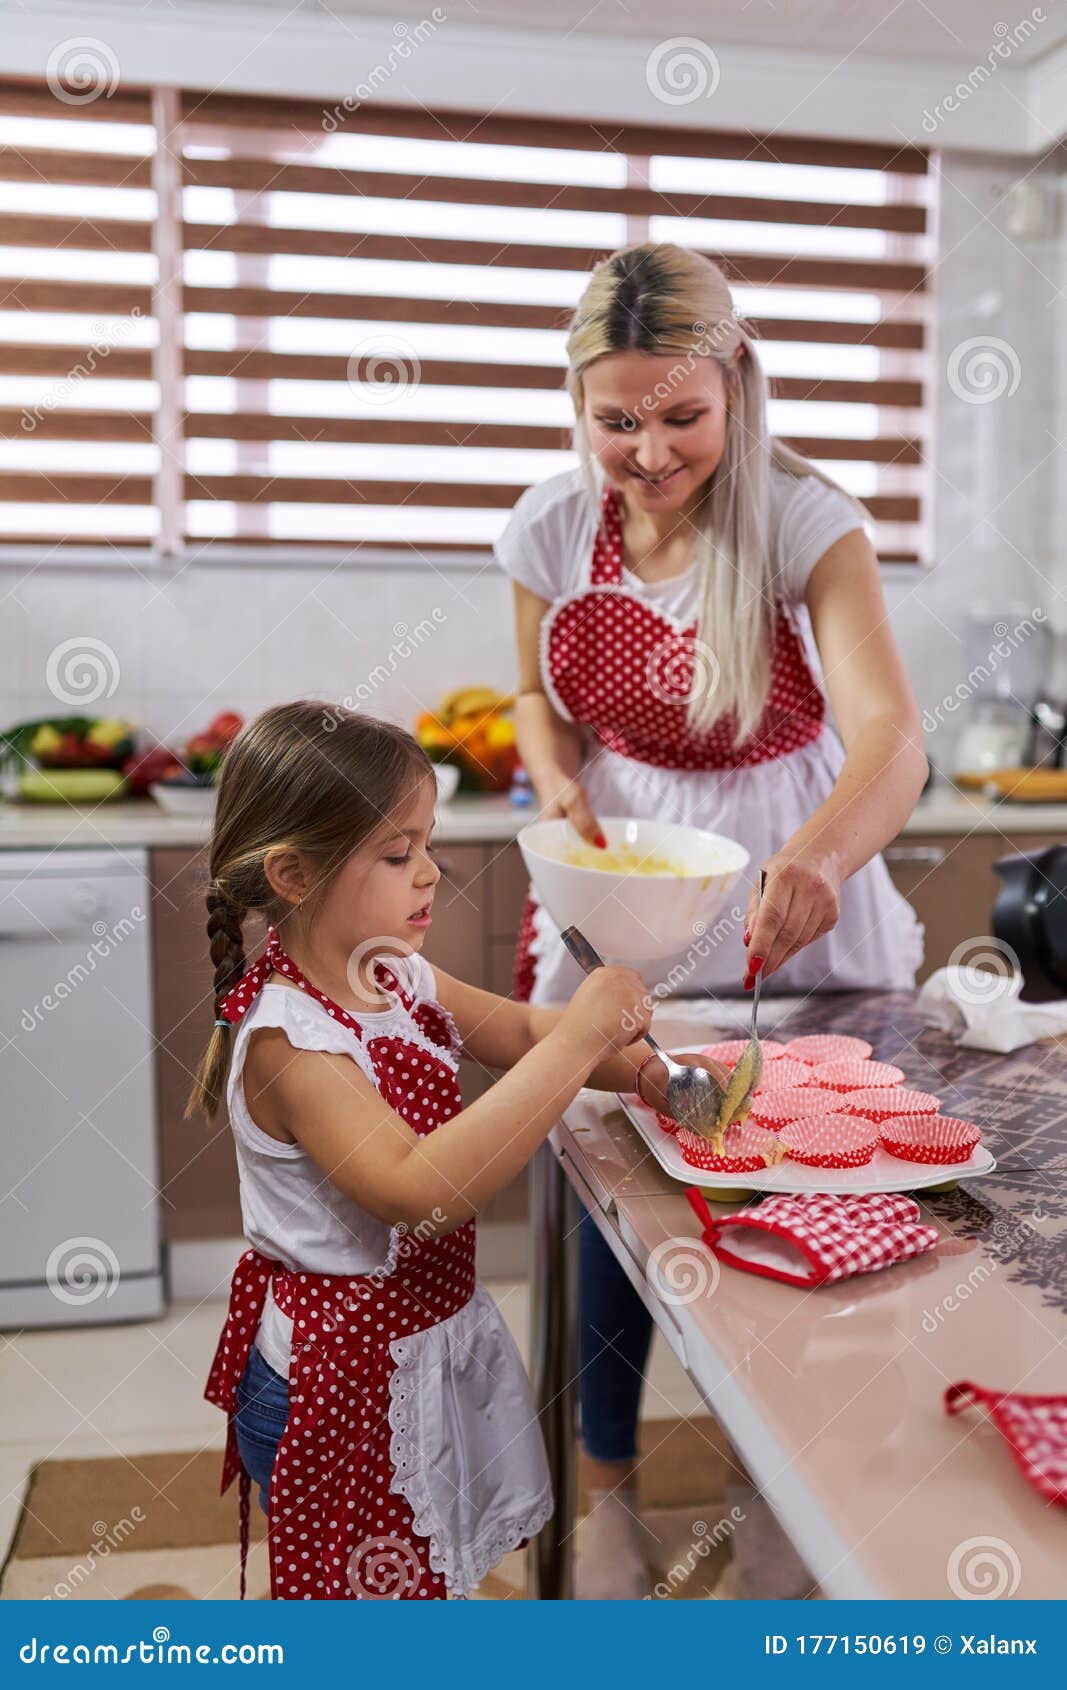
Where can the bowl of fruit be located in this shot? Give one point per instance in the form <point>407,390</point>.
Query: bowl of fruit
<point>183,783</point>
<point>473,731</point>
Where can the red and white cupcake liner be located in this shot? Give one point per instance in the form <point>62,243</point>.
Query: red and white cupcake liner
<point>882,1103</point>
<point>814,1048</point>
<point>745,1150</point>
<point>830,1141</point>
<point>666,1122</point>
<point>784,1071</point>
<point>930,1138</point>
<point>856,1074</point>
<point>727,1051</point>
<point>777,1105</point>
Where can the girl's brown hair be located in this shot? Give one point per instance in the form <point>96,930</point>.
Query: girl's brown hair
<point>304,776</point>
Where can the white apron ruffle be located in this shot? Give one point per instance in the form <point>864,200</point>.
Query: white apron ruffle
<point>466,1448</point>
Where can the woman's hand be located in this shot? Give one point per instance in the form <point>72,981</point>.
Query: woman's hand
<point>652,1081</point>
<point>801,902</point>
<point>561,795</point>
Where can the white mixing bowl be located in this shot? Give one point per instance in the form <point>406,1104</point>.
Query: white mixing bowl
<point>628,917</point>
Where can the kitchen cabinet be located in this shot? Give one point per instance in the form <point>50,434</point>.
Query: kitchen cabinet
<point>949,881</point>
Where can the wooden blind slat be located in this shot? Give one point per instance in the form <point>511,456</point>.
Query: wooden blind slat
<point>111,299</point>
<point>78,234</point>
<point>492,314</point>
<point>60,423</point>
<point>52,489</point>
<point>117,363</point>
<point>872,275</point>
<point>301,490</point>
<point>18,293</point>
<point>499,129</point>
<point>392,431</point>
<point>95,170</point>
<point>260,177</point>
<point>35,99</point>
<point>305,366</point>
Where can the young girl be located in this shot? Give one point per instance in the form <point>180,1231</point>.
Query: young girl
<point>371,1387</point>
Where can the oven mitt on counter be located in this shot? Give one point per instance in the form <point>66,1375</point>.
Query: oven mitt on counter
<point>818,1237</point>
<point>1034,1428</point>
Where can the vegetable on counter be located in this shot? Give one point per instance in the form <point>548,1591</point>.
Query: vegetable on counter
<point>85,759</point>
<point>69,742</point>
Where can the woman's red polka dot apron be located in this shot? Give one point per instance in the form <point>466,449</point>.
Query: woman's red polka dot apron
<point>625,671</point>
<point>342,1505</point>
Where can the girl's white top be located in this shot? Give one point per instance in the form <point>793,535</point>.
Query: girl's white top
<point>547,545</point>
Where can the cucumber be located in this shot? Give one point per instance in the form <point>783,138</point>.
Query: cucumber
<point>70,786</point>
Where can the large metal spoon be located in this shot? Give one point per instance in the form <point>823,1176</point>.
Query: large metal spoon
<point>694,1097</point>
<point>747,1071</point>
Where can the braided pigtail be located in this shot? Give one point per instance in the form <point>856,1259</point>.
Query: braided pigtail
<point>226,941</point>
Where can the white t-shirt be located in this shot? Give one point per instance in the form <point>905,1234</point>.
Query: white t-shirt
<point>290,1210</point>
<point>547,544</point>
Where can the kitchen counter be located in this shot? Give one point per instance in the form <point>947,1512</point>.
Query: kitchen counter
<point>136,821</point>
<point>834,1397</point>
<point>141,822</point>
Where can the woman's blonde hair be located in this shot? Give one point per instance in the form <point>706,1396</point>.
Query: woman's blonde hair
<point>304,776</point>
<point>667,300</point>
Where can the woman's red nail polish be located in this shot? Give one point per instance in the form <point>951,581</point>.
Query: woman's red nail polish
<point>746,936</point>
<point>755,964</point>
<point>749,982</point>
<point>601,841</point>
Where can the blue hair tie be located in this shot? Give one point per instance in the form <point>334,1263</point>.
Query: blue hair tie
<point>223,1023</point>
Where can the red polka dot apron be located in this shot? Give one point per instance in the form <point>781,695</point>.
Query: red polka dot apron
<point>350,1515</point>
<point>625,670</point>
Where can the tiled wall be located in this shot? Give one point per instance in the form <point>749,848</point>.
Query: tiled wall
<point>394,639</point>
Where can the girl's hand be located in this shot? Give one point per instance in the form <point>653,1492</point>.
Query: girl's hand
<point>611,1008</point>
<point>802,901</point>
<point>652,1081</point>
<point>566,797</point>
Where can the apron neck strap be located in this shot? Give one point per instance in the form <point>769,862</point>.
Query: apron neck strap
<point>275,959</point>
<point>607,548</point>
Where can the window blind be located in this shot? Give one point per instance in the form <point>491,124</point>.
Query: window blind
<point>372,309</point>
<point>78,452</point>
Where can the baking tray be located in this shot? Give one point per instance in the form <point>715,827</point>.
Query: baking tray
<point>882,1173</point>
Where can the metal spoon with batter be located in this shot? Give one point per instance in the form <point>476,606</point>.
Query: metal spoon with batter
<point>694,1097</point>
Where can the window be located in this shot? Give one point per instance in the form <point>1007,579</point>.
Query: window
<point>234,321</point>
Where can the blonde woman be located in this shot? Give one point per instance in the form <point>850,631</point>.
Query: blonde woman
<point>690,604</point>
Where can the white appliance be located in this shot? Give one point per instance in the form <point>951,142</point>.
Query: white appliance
<point>80,1240</point>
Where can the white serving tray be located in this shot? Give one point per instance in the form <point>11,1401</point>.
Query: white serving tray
<point>883,1173</point>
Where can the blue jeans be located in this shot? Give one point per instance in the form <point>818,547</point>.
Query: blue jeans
<point>614,1334</point>
<point>262,1411</point>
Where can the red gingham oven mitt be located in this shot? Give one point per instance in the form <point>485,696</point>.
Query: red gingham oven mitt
<point>1034,1428</point>
<point>817,1237</point>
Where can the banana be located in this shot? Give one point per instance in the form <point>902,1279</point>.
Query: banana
<point>473,701</point>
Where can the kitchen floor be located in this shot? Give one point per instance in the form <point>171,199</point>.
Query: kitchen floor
<point>138,1390</point>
